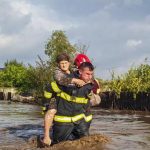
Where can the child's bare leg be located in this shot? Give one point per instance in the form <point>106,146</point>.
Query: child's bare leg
<point>48,121</point>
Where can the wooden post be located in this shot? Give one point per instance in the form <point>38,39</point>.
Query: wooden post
<point>1,95</point>
<point>9,96</point>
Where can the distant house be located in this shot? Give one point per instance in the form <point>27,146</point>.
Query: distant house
<point>7,92</point>
<point>2,69</point>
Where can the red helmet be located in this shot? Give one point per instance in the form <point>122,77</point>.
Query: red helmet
<point>80,58</point>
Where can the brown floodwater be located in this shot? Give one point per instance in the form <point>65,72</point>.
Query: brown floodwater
<point>128,130</point>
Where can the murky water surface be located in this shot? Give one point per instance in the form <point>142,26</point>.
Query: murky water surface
<point>130,131</point>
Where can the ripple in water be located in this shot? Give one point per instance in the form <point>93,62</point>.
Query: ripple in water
<point>128,131</point>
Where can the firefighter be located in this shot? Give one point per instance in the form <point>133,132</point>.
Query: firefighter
<point>94,94</point>
<point>60,76</point>
<point>70,121</point>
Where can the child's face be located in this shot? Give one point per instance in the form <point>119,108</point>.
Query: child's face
<point>64,65</point>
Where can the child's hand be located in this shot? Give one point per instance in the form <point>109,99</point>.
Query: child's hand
<point>78,82</point>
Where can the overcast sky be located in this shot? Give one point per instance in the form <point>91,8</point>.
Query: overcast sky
<point>116,31</point>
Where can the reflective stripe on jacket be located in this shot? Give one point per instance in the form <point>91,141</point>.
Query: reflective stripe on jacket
<point>66,119</point>
<point>64,95</point>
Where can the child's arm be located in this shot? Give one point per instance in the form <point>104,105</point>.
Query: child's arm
<point>63,79</point>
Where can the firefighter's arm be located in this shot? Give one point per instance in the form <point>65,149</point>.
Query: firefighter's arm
<point>47,97</point>
<point>48,91</point>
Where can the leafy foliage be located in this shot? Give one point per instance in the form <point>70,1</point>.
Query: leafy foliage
<point>14,75</point>
<point>39,75</point>
<point>137,79</point>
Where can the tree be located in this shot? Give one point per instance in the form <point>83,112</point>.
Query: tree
<point>15,75</point>
<point>58,43</point>
<point>39,75</point>
<point>81,48</point>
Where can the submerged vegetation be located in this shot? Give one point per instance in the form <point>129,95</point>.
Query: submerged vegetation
<point>31,79</point>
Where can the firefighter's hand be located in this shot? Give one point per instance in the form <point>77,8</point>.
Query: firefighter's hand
<point>47,141</point>
<point>78,82</point>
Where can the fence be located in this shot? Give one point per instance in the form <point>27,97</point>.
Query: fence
<point>6,93</point>
<point>110,100</point>
<point>5,96</point>
<point>126,100</point>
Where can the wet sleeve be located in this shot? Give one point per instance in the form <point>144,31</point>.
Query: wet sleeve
<point>49,101</point>
<point>95,99</point>
<point>62,78</point>
<point>48,91</point>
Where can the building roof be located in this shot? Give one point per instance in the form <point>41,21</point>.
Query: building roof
<point>1,68</point>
